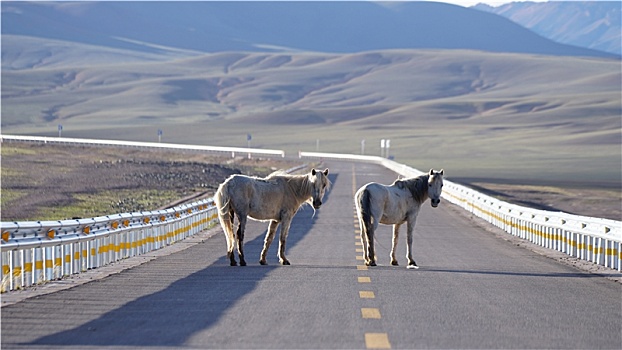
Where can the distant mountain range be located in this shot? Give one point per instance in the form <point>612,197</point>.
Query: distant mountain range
<point>591,24</point>
<point>332,27</point>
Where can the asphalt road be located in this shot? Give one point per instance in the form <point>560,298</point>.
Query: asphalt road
<point>473,290</point>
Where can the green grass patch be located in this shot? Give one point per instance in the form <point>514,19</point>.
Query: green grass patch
<point>15,150</point>
<point>108,203</point>
<point>7,196</point>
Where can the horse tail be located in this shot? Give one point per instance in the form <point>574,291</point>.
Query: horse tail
<point>366,208</point>
<point>363,206</point>
<point>222,200</point>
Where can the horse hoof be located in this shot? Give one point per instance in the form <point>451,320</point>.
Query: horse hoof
<point>263,262</point>
<point>233,263</point>
<point>371,263</point>
<point>412,267</point>
<point>285,262</point>
<point>394,263</point>
<point>242,263</point>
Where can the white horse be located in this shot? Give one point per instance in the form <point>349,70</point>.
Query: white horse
<point>275,198</point>
<point>393,205</point>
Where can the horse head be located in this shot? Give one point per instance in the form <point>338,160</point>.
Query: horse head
<point>320,183</point>
<point>435,186</point>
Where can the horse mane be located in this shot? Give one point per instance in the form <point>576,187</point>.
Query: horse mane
<point>418,186</point>
<point>278,173</point>
<point>299,185</point>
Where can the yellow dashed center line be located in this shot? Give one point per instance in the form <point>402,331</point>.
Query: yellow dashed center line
<point>364,279</point>
<point>377,341</point>
<point>365,294</point>
<point>370,312</point>
<point>361,267</point>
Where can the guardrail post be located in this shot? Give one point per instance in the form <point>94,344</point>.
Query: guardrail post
<point>599,251</point>
<point>148,240</point>
<point>583,246</point>
<point>6,272</point>
<point>28,257</point>
<point>68,258</point>
<point>102,251</point>
<point>75,268</point>
<point>39,274</point>
<point>84,256</point>
<point>125,244</point>
<point>58,262</point>
<point>92,253</point>
<point>590,248</point>
<point>17,269</point>
<point>132,241</point>
<point>49,264</point>
<point>118,245</point>
<point>618,255</point>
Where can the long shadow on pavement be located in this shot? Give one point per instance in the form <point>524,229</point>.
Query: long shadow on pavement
<point>194,303</point>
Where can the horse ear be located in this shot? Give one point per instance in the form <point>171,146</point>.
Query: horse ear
<point>326,172</point>
<point>313,172</point>
<point>431,172</point>
<point>441,172</point>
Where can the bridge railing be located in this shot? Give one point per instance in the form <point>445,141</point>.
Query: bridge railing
<point>37,251</point>
<point>592,239</point>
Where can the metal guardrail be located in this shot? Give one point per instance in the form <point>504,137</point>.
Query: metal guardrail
<point>37,251</point>
<point>77,141</point>
<point>587,238</point>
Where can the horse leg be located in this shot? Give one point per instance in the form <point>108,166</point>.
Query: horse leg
<point>396,233</point>
<point>268,240</point>
<point>409,242</point>
<point>240,239</point>
<point>283,239</point>
<point>371,249</point>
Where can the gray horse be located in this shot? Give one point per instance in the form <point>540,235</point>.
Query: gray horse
<point>393,205</point>
<point>275,198</point>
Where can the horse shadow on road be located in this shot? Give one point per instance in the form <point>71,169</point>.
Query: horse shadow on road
<point>170,317</point>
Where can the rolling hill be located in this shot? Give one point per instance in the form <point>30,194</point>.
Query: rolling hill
<point>512,114</point>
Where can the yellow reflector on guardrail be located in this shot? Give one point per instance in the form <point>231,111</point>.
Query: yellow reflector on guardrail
<point>115,225</point>
<point>6,235</point>
<point>51,234</point>
<point>146,220</point>
<point>86,230</point>
<point>126,222</point>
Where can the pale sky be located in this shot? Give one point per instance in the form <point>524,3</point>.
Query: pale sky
<point>494,3</point>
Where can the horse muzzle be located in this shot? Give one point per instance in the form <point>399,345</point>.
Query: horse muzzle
<point>435,202</point>
<point>317,204</point>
